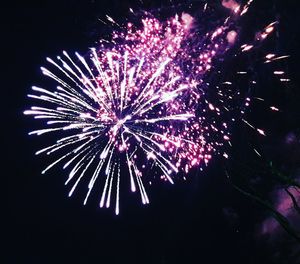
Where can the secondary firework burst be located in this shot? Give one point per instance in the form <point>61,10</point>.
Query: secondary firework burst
<point>139,103</point>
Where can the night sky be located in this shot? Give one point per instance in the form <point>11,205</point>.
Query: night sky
<point>202,220</point>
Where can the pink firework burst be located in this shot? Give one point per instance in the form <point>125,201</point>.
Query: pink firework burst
<point>136,100</point>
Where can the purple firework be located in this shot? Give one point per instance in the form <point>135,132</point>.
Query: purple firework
<point>141,98</point>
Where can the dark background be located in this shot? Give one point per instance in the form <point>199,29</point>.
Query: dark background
<point>202,221</point>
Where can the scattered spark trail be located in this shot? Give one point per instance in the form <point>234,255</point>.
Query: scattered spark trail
<point>140,99</point>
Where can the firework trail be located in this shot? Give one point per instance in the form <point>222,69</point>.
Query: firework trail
<point>140,99</point>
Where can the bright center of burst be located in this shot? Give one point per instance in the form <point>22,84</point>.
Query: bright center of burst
<point>120,124</point>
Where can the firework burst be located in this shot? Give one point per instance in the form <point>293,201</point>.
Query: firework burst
<point>140,99</point>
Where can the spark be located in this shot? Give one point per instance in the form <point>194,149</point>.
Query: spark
<point>278,72</point>
<point>273,108</point>
<point>257,153</point>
